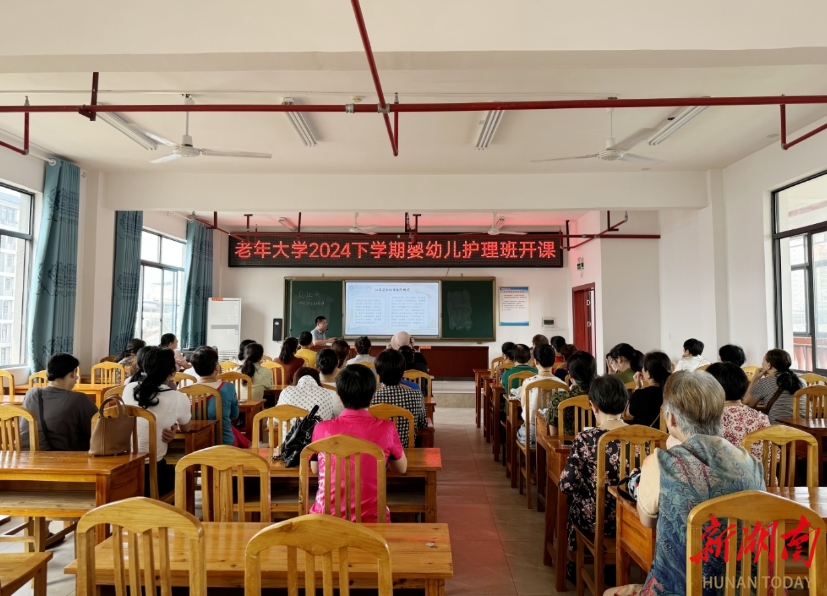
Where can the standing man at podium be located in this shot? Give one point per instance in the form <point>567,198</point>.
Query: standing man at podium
<point>319,332</point>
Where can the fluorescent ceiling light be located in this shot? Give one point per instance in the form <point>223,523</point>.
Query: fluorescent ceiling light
<point>118,123</point>
<point>288,224</point>
<point>299,123</point>
<point>489,129</point>
<point>676,123</point>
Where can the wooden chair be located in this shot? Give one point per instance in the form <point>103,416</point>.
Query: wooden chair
<point>318,536</point>
<point>219,465</point>
<point>331,386</point>
<point>495,362</point>
<point>276,417</point>
<point>370,365</point>
<point>662,421</point>
<point>635,442</point>
<point>422,379</point>
<point>16,569</point>
<point>348,453</point>
<point>279,375</point>
<point>199,396</point>
<point>815,406</point>
<point>778,451</point>
<point>391,412</point>
<point>750,370</point>
<point>108,373</point>
<point>813,379</point>
<point>631,385</point>
<point>10,415</point>
<point>583,415</point>
<point>183,379</point>
<point>145,523</point>
<point>750,507</point>
<point>38,379</point>
<point>114,392</point>
<point>228,366</point>
<point>6,386</point>
<point>703,367</point>
<point>501,444</point>
<point>241,382</point>
<point>266,358</point>
<point>525,452</point>
<point>557,365</point>
<point>108,359</point>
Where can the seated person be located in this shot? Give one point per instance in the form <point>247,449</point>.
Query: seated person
<point>698,465</point>
<point>362,352</point>
<point>636,363</point>
<point>304,352</point>
<point>536,341</point>
<point>326,361</point>
<point>607,397</point>
<point>205,364</point>
<point>692,359</point>
<point>129,355</point>
<point>557,342</point>
<point>288,359</point>
<point>619,362</point>
<point>171,409</point>
<point>583,371</point>
<point>307,391</point>
<point>342,351</point>
<point>240,358</point>
<point>507,350</point>
<point>645,402</point>
<point>262,377</point>
<point>732,353</point>
<point>774,385</point>
<point>562,371</point>
<point>356,386</point>
<point>544,357</point>
<point>739,419</point>
<point>390,365</point>
<point>168,340</point>
<point>521,357</point>
<point>411,364</point>
<point>64,417</point>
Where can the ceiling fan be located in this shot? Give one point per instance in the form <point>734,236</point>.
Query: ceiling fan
<point>614,151</point>
<point>357,229</point>
<point>186,148</point>
<point>496,228</point>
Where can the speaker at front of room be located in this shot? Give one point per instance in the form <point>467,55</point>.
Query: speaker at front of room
<point>278,329</point>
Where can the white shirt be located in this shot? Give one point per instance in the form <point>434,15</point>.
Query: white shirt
<point>691,363</point>
<point>534,395</point>
<point>362,358</point>
<point>173,407</point>
<point>307,394</point>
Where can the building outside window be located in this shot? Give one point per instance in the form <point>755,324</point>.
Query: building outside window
<point>800,265</point>
<point>161,301</point>
<point>16,209</point>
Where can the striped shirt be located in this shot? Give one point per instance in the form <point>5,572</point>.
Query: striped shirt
<point>399,395</point>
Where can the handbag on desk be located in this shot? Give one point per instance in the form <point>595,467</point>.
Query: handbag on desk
<point>299,437</point>
<point>112,436</point>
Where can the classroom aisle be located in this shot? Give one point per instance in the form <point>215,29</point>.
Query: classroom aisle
<point>496,540</point>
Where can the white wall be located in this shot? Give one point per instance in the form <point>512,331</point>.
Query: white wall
<point>166,223</point>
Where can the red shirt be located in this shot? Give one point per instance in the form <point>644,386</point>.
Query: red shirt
<point>361,424</point>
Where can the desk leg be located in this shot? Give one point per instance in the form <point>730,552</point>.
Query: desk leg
<point>102,497</point>
<point>477,401</point>
<point>561,551</point>
<point>435,587</point>
<point>486,413</point>
<point>542,475</point>
<point>430,498</point>
<point>622,559</point>
<point>495,425</point>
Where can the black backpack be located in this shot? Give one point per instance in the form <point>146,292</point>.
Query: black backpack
<point>299,437</point>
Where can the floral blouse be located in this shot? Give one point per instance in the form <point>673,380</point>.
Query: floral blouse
<point>568,415</point>
<point>578,480</point>
<point>738,421</point>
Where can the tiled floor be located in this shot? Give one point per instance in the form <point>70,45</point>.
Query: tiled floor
<point>496,539</point>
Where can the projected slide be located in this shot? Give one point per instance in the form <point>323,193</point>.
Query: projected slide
<point>383,308</point>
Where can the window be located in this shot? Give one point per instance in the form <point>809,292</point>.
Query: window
<point>15,249</point>
<point>162,287</point>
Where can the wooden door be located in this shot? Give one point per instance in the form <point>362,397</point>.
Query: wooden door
<point>583,305</point>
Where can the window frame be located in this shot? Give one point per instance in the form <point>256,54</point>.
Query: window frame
<point>162,267</point>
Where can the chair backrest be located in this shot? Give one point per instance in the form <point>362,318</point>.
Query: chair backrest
<point>516,380</point>
<point>10,415</point>
<point>370,365</point>
<point>494,363</point>
<point>6,386</point>
<point>218,466</point>
<point>146,523</point>
<point>815,404</point>
<point>750,370</point>
<point>501,367</point>
<point>243,384</point>
<point>391,412</point>
<point>279,375</point>
<point>276,417</point>
<point>748,508</point>
<point>422,379</point>
<point>778,450</point>
<point>631,385</point>
<point>545,388</point>
<point>199,396</point>
<point>183,379</point>
<point>583,415</point>
<point>114,392</point>
<point>703,367</point>
<point>813,379</point>
<point>38,379</point>
<point>343,470</point>
<point>331,386</point>
<point>662,420</point>
<point>108,373</point>
<point>318,536</point>
<point>266,358</point>
<point>228,365</point>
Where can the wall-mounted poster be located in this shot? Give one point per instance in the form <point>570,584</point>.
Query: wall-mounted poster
<point>514,307</point>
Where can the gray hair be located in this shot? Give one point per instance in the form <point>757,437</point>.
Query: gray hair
<point>696,400</point>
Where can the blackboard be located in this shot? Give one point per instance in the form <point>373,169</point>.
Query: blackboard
<point>308,299</point>
<point>468,309</point>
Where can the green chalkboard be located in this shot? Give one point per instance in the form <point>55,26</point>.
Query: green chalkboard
<point>307,299</point>
<point>468,309</point>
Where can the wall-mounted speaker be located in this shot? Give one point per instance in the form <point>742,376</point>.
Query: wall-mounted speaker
<point>278,329</point>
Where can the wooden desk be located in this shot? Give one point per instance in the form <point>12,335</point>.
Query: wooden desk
<point>94,391</point>
<point>814,498</point>
<point>817,428</point>
<point>497,429</point>
<point>247,411</point>
<point>421,556</point>
<point>557,506</point>
<point>512,457</point>
<point>66,484</point>
<point>430,406</point>
<point>541,429</point>
<point>426,435</point>
<point>479,374</point>
<point>423,465</point>
<point>488,383</point>
<point>635,542</point>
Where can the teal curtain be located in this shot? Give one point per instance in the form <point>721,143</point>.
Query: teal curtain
<point>197,285</point>
<point>126,281</point>
<point>54,279</point>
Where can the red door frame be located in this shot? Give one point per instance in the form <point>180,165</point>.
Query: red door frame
<point>592,335</point>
